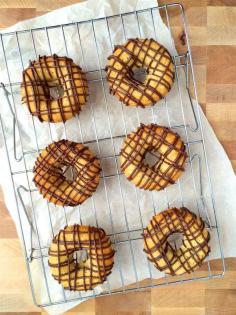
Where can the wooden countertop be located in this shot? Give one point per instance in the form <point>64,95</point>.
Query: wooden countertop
<point>212,25</point>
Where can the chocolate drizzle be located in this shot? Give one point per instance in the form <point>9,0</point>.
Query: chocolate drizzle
<point>153,138</point>
<point>67,270</point>
<point>140,53</point>
<point>48,72</point>
<point>195,245</point>
<point>49,177</point>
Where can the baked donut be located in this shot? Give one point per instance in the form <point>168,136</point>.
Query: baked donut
<point>195,246</point>
<point>85,275</point>
<point>153,138</point>
<point>54,72</point>
<point>140,53</point>
<point>49,175</point>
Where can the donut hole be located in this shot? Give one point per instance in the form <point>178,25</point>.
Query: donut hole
<point>140,74</point>
<point>56,90</point>
<point>69,172</point>
<point>80,256</point>
<point>152,158</point>
<point>176,240</point>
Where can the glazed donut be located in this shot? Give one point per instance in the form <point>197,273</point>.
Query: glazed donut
<point>153,138</point>
<point>195,246</point>
<point>140,53</point>
<point>85,275</point>
<point>48,72</point>
<point>49,176</point>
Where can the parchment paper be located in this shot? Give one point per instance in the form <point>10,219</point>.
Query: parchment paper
<point>223,178</point>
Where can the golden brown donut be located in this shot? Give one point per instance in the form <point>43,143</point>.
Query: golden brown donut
<point>140,53</point>
<point>85,275</point>
<point>195,246</point>
<point>48,72</point>
<point>49,176</point>
<point>153,138</point>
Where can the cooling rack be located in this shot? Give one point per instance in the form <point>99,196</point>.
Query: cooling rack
<point>126,236</point>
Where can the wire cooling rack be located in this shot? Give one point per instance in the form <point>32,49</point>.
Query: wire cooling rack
<point>197,165</point>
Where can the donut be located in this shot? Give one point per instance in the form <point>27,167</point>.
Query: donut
<point>49,175</point>
<point>158,139</point>
<point>148,55</point>
<point>56,72</point>
<point>77,275</point>
<point>167,258</point>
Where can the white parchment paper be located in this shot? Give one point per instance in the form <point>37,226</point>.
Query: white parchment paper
<point>121,119</point>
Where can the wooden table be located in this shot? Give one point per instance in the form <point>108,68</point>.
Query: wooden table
<point>212,25</point>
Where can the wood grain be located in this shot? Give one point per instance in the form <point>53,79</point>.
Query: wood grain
<point>212,26</point>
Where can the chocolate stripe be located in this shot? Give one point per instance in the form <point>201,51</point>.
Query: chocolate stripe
<point>153,138</point>
<point>70,273</point>
<point>140,53</point>
<point>36,86</point>
<point>49,177</point>
<point>195,246</point>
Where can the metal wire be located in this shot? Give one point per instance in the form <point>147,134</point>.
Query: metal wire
<point>126,237</point>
